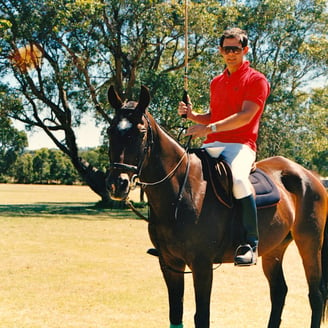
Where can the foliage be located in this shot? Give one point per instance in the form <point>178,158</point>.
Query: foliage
<point>88,45</point>
<point>51,166</point>
<point>97,157</point>
<point>12,144</point>
<point>23,169</point>
<point>45,166</point>
<point>300,129</point>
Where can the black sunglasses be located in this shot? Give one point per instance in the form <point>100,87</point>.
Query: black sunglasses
<point>233,49</point>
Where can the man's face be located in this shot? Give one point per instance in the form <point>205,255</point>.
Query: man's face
<point>233,53</point>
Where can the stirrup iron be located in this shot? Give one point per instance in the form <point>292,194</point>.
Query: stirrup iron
<point>245,255</point>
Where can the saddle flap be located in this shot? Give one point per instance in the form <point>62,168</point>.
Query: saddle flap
<point>218,173</point>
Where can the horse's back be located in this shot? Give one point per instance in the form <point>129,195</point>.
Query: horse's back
<point>303,189</point>
<point>294,177</point>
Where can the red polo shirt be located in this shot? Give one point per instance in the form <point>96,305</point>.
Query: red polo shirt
<point>228,92</point>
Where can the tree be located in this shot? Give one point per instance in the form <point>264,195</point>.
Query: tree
<point>44,166</point>
<point>302,134</point>
<point>64,55</point>
<point>61,169</point>
<point>23,169</point>
<point>12,144</point>
<point>316,144</point>
<point>84,45</point>
<point>41,166</point>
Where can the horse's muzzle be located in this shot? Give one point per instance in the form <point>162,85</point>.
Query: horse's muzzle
<point>118,186</point>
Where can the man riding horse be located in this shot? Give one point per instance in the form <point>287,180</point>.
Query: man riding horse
<point>237,100</point>
<point>186,223</point>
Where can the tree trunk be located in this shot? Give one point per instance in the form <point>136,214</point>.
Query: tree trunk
<point>95,179</point>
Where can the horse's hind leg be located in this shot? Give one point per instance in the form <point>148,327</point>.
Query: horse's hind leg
<point>272,268</point>
<point>310,200</point>
<point>309,234</point>
<point>311,256</point>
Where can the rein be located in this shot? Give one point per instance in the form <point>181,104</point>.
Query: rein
<point>169,175</point>
<point>136,170</point>
<point>145,184</point>
<point>141,216</point>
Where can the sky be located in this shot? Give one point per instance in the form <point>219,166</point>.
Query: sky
<point>88,135</point>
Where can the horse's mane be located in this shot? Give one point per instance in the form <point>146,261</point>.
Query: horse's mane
<point>169,134</point>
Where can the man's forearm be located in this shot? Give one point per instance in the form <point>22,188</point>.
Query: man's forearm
<point>199,118</point>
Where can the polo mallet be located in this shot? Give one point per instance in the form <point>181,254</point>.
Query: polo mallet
<point>185,91</point>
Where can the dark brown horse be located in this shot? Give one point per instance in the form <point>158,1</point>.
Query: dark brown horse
<point>190,227</point>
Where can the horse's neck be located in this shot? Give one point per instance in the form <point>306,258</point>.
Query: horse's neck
<point>164,158</point>
<point>181,186</point>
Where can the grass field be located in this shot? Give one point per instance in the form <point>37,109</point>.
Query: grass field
<point>66,264</point>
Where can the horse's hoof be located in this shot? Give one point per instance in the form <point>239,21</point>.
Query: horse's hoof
<point>153,251</point>
<point>246,255</point>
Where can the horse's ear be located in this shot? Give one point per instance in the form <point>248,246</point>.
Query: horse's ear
<point>144,99</point>
<point>114,99</point>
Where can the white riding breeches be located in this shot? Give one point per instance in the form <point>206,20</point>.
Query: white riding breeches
<point>241,159</point>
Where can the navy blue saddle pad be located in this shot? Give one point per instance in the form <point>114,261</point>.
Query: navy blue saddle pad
<point>267,193</point>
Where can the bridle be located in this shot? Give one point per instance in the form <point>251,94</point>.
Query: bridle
<point>136,170</point>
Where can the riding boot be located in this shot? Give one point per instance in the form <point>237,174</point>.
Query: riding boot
<point>247,254</point>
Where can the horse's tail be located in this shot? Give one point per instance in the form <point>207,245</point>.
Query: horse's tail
<point>324,264</point>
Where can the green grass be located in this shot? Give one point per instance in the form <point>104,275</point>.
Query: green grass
<point>67,264</point>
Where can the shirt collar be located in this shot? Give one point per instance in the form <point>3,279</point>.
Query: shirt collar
<point>244,67</point>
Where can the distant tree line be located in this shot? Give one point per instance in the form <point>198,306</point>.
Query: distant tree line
<point>50,166</point>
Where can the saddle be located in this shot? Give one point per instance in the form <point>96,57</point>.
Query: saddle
<point>217,172</point>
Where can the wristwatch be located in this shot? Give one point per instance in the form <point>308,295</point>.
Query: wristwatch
<point>213,127</point>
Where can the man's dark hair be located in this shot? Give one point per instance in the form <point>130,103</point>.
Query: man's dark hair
<point>235,33</point>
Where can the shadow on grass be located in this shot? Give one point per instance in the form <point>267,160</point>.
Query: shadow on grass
<point>85,211</point>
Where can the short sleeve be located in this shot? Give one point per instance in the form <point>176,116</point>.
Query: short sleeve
<point>258,90</point>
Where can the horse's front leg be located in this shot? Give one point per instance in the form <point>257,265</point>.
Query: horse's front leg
<point>174,279</point>
<point>203,277</point>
